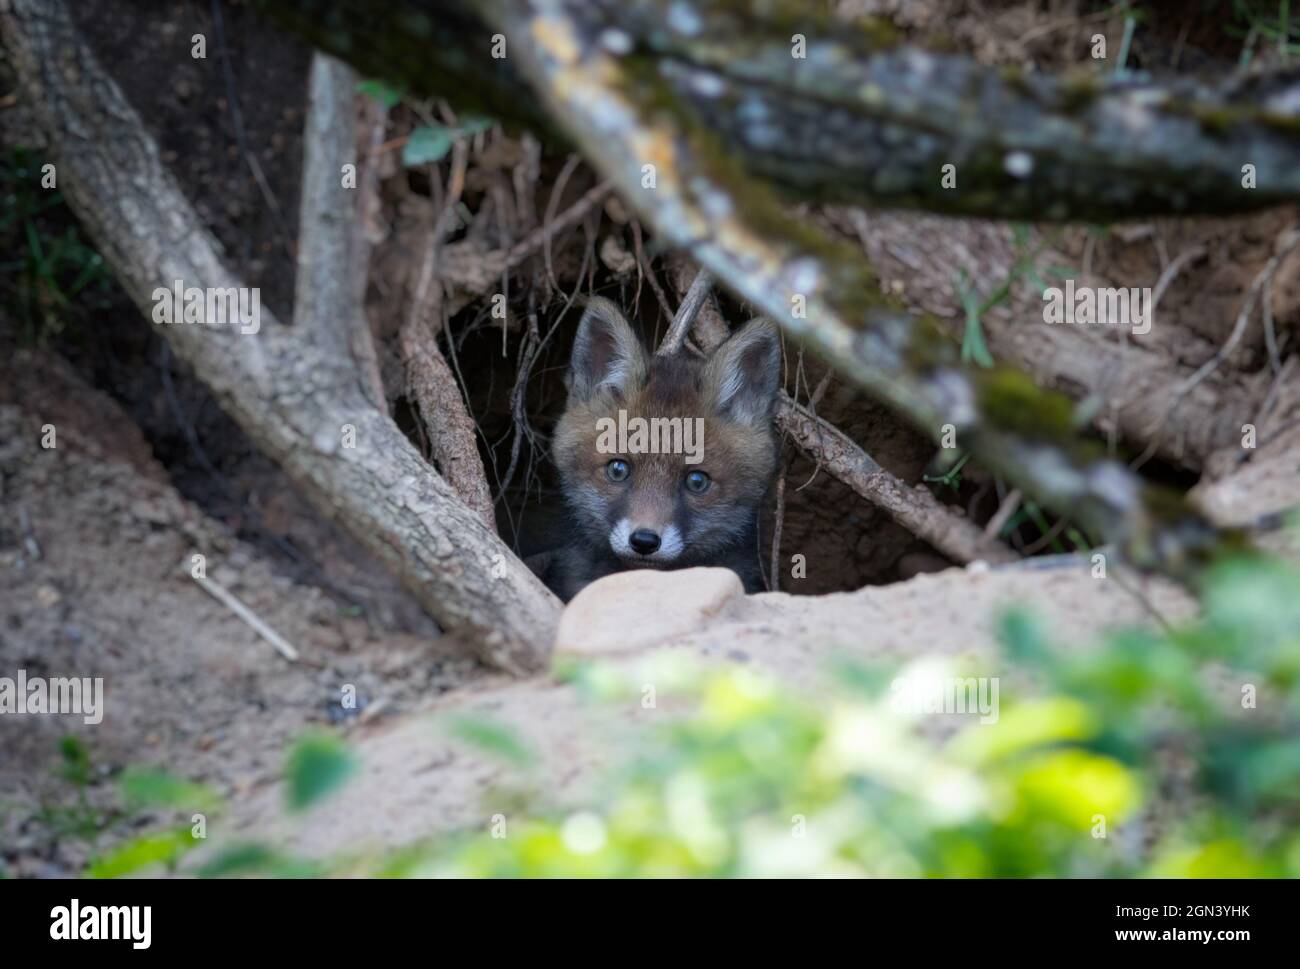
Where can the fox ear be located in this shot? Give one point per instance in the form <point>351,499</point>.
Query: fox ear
<point>743,375</point>
<point>606,353</point>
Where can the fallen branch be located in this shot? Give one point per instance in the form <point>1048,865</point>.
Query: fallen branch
<point>1137,382</point>
<point>860,117</point>
<point>451,431</point>
<point>915,508</point>
<point>301,404</point>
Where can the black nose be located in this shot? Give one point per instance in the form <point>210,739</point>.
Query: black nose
<point>644,541</point>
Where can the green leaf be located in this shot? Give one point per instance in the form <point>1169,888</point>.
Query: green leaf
<point>1023,639</point>
<point>318,765</point>
<point>143,852</point>
<point>258,859</point>
<point>1072,787</point>
<point>426,144</point>
<point>76,760</point>
<point>147,787</point>
<point>386,94</point>
<point>473,124</point>
<point>973,346</point>
<point>494,738</point>
<point>1026,726</point>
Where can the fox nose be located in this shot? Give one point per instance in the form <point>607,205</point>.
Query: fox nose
<point>644,541</point>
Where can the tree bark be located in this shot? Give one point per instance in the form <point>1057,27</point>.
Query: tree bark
<point>860,118</point>
<point>296,399</point>
<point>328,295</point>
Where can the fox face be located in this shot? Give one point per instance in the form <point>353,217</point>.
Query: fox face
<point>664,460</point>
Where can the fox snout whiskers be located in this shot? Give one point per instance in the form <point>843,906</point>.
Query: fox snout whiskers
<point>644,545</point>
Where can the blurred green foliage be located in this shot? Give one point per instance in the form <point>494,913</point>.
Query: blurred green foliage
<point>318,764</point>
<point>431,142</point>
<point>1154,753</point>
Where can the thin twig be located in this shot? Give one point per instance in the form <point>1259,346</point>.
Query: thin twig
<point>1290,243</point>
<point>639,251</point>
<point>774,580</point>
<point>570,166</point>
<point>439,391</point>
<point>686,313</point>
<point>1171,272</point>
<point>222,595</point>
<point>553,226</point>
<point>1005,510</point>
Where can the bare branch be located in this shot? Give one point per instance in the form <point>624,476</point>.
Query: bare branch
<point>452,433</point>
<point>327,297</point>
<point>687,311</point>
<point>915,508</point>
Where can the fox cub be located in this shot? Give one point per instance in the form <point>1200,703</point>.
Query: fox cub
<point>663,460</point>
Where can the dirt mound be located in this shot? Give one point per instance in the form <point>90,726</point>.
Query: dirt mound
<point>95,550</point>
<point>417,780</point>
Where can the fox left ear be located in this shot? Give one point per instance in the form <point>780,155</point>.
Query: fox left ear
<point>743,375</point>
<point>606,353</point>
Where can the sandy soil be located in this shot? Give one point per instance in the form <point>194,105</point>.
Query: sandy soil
<point>95,547</point>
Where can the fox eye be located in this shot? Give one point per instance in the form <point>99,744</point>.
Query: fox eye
<point>697,482</point>
<point>618,470</point>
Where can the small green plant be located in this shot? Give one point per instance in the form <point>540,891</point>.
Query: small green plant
<point>950,476</point>
<point>974,348</point>
<point>143,789</point>
<point>1264,23</point>
<point>1049,535</point>
<point>54,276</point>
<point>431,142</point>
<point>139,791</point>
<point>75,818</point>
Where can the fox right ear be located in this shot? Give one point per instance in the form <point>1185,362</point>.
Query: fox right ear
<point>744,373</point>
<point>606,353</point>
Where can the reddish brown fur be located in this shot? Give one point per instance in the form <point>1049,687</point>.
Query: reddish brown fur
<point>717,527</point>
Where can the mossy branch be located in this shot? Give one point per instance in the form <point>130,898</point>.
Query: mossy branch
<point>860,117</point>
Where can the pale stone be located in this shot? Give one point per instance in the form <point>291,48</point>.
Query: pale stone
<point>631,611</point>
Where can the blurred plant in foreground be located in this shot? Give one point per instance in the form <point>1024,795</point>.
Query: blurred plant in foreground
<point>1170,753</point>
